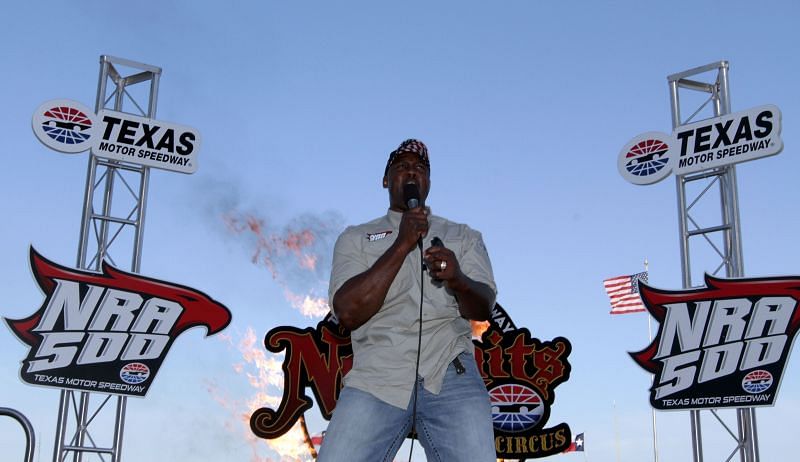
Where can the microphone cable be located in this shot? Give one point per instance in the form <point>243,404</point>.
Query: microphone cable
<point>419,350</point>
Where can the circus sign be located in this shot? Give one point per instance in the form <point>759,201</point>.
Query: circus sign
<point>520,373</point>
<point>723,345</point>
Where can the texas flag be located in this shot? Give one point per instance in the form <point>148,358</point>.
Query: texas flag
<point>577,444</point>
<point>316,440</point>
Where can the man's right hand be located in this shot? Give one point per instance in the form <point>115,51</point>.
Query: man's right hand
<point>363,295</point>
<point>413,227</point>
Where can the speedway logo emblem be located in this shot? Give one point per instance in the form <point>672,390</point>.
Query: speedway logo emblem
<point>520,373</point>
<point>725,345</point>
<point>64,125</point>
<point>645,159</point>
<point>733,138</point>
<point>68,126</point>
<point>107,332</point>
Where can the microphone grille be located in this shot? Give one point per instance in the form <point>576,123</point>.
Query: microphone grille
<point>411,195</point>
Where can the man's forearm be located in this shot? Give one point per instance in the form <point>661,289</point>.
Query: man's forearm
<point>363,295</point>
<point>475,299</point>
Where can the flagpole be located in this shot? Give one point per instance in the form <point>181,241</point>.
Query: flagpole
<point>616,430</point>
<point>585,457</point>
<point>650,340</point>
<point>307,437</point>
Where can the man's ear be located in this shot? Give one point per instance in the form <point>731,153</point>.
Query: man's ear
<point>385,183</point>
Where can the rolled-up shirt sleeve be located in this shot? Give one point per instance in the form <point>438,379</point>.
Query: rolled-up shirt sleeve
<point>347,262</point>
<point>475,263</point>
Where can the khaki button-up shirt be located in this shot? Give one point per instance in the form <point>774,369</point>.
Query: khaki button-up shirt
<point>385,347</point>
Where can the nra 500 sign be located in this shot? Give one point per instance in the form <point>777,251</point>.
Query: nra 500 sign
<point>68,126</point>
<point>107,332</point>
<point>725,345</point>
<point>733,138</point>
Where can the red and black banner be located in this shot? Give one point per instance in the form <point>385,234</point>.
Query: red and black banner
<point>723,345</point>
<point>107,332</point>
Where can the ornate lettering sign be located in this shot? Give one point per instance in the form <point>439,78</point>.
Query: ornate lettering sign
<point>520,372</point>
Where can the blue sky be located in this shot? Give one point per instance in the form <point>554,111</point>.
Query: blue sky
<point>524,107</point>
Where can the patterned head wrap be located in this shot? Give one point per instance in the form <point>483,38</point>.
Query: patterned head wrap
<point>409,145</point>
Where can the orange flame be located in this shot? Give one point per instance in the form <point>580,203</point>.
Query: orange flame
<point>263,372</point>
<point>268,373</point>
<point>308,261</point>
<point>271,249</point>
<point>270,245</point>
<point>309,306</point>
<point>292,252</point>
<point>478,328</point>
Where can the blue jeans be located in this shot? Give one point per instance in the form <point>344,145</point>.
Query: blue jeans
<point>453,426</point>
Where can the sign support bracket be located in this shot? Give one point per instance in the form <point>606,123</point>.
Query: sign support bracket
<point>113,216</point>
<point>723,238</point>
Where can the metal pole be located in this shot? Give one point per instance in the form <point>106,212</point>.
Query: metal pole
<point>616,431</point>
<point>754,428</point>
<point>680,186</point>
<point>722,82</point>
<point>686,275</point>
<point>650,340</point>
<point>679,183</point>
<point>61,426</point>
<point>112,176</point>
<point>736,250</point>
<point>652,409</point>
<point>30,436</point>
<point>83,410</point>
<point>733,259</point>
<point>119,429</point>
<point>742,430</point>
<point>108,195</point>
<point>697,436</point>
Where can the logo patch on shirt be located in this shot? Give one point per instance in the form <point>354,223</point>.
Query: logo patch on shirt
<point>372,237</point>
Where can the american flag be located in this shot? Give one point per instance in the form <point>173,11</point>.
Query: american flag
<point>624,293</point>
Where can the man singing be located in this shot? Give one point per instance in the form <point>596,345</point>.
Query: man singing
<point>408,312</point>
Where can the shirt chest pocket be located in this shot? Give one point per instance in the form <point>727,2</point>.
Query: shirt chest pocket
<point>374,249</point>
<point>376,245</point>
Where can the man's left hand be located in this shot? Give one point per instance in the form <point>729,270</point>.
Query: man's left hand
<point>442,263</point>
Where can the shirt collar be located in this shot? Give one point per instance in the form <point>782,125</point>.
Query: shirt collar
<point>394,217</point>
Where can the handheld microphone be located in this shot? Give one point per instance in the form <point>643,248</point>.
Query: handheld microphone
<point>435,242</point>
<point>411,195</point>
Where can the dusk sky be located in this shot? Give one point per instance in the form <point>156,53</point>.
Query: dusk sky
<point>524,106</point>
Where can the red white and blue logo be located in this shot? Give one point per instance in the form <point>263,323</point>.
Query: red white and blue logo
<point>515,407</point>
<point>646,159</point>
<point>757,381</point>
<point>134,373</point>
<point>64,125</point>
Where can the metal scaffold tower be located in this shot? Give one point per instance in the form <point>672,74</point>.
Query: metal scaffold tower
<point>113,219</point>
<point>716,245</point>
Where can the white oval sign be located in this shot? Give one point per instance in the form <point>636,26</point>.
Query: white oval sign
<point>65,125</point>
